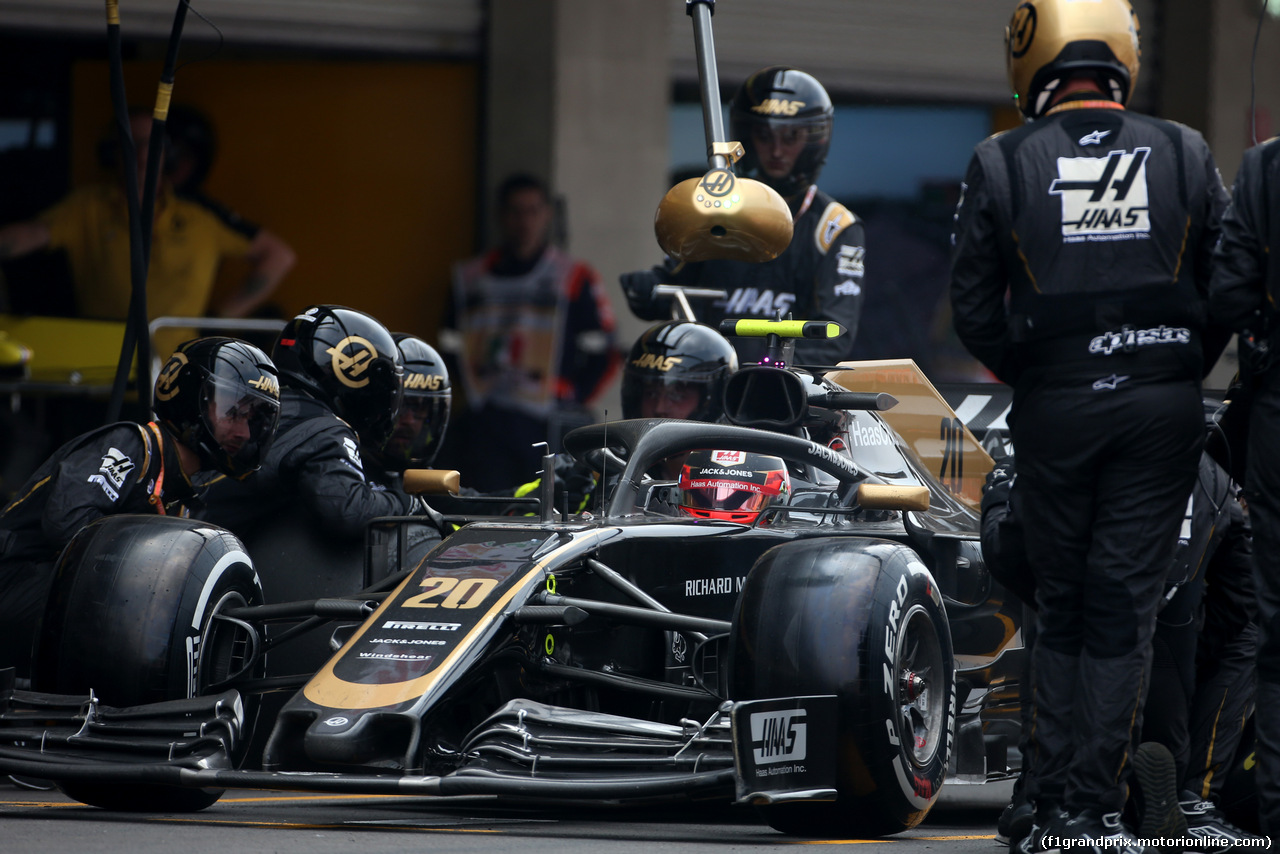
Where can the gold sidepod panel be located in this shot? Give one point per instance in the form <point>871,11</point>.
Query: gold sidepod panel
<point>926,423</point>
<point>723,216</point>
<point>431,482</point>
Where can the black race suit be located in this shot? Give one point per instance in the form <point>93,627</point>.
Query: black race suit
<point>120,468</point>
<point>1246,285</point>
<point>304,513</point>
<point>1099,224</point>
<point>818,277</point>
<point>1202,678</point>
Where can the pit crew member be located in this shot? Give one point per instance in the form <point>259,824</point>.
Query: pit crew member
<point>1202,679</point>
<point>341,387</point>
<point>783,118</point>
<point>1099,225</point>
<point>1243,294</point>
<point>677,369</point>
<point>217,403</point>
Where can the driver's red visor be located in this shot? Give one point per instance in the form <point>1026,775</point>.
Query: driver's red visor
<point>724,495</point>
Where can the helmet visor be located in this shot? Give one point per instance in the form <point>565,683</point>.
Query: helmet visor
<point>785,152</point>
<point>664,397</point>
<point>708,494</point>
<point>242,422</point>
<point>419,431</point>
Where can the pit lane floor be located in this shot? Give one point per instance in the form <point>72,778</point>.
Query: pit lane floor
<point>963,822</point>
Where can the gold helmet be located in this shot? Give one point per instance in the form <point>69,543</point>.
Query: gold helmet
<point>1049,40</point>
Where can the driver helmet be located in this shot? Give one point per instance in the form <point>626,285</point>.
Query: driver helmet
<point>1048,41</point>
<point>221,398</point>
<point>677,369</point>
<point>424,411</point>
<point>782,114</point>
<point>735,486</point>
<point>347,360</point>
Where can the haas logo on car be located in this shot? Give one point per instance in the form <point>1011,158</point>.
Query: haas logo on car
<point>778,736</point>
<point>728,458</point>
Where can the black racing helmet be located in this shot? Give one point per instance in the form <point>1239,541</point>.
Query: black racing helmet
<point>1048,41</point>
<point>788,105</point>
<point>677,364</point>
<point>734,486</point>
<point>348,360</point>
<point>221,398</point>
<point>424,412</point>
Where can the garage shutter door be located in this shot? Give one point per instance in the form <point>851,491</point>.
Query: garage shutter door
<point>401,26</point>
<point>917,49</point>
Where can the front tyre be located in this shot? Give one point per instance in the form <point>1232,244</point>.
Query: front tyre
<point>864,620</point>
<point>133,617</point>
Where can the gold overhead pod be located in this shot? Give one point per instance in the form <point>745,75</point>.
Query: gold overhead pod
<point>431,482</point>
<point>720,215</point>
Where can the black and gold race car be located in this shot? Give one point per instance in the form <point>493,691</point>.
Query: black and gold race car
<point>831,662</point>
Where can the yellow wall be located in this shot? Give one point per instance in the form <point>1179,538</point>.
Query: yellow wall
<point>366,168</point>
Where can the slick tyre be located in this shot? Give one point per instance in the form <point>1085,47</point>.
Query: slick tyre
<point>863,620</point>
<point>132,617</point>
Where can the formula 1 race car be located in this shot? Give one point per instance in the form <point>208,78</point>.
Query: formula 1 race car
<point>831,661</point>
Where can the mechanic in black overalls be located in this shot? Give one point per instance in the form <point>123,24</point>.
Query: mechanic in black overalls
<point>1100,225</point>
<point>783,118</point>
<point>421,425</point>
<point>1202,678</point>
<point>217,402</point>
<point>303,516</point>
<point>1244,290</point>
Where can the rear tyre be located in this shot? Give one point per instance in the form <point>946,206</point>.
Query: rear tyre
<point>132,617</point>
<point>861,619</point>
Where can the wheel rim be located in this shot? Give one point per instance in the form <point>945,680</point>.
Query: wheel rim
<point>228,647</point>
<point>920,687</point>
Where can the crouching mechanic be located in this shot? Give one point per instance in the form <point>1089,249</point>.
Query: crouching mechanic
<point>423,418</point>
<point>217,403</point>
<point>676,369</point>
<point>304,514</point>
<point>419,431</point>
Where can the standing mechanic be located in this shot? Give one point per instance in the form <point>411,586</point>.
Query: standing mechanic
<point>1243,296</point>
<point>217,402</point>
<point>1202,678</point>
<point>783,118</point>
<point>1099,224</point>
